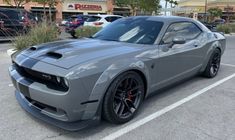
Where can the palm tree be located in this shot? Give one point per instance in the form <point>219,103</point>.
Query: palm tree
<point>175,3</point>
<point>166,5</point>
<point>171,2</point>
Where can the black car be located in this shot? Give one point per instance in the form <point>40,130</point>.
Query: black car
<point>210,26</point>
<point>13,22</point>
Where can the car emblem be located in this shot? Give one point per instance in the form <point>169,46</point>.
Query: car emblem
<point>48,77</point>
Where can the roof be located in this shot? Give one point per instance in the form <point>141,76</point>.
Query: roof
<point>166,18</point>
<point>106,15</point>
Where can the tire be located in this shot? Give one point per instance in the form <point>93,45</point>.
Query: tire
<point>123,98</point>
<point>73,34</point>
<point>213,65</point>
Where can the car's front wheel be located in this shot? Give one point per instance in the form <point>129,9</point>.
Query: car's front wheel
<point>213,65</point>
<point>123,98</point>
<point>73,34</point>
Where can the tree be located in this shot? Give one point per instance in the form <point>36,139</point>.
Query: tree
<point>44,3</point>
<point>215,12</point>
<point>16,3</point>
<point>166,2</point>
<point>148,6</point>
<point>171,2</point>
<point>175,3</point>
<point>50,3</point>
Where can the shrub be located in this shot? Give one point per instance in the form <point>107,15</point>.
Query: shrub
<point>86,31</point>
<point>232,26</point>
<point>38,34</point>
<point>226,28</point>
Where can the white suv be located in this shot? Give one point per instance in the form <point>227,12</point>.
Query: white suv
<point>100,20</point>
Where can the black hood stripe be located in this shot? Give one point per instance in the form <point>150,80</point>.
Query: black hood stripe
<point>29,63</point>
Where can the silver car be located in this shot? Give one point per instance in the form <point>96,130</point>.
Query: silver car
<point>74,83</point>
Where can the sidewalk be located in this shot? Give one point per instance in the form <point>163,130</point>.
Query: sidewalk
<point>231,34</point>
<point>5,46</point>
<point>6,39</point>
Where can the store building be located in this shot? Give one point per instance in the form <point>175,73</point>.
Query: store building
<point>191,7</point>
<point>71,7</point>
<point>67,8</point>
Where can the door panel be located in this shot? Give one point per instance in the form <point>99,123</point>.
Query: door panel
<point>182,60</point>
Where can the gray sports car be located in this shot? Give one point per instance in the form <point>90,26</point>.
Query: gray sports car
<point>74,83</point>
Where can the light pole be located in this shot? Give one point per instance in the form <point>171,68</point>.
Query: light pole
<point>205,10</point>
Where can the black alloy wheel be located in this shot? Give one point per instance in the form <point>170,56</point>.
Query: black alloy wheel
<point>123,98</point>
<point>213,64</point>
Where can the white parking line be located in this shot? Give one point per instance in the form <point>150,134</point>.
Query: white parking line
<point>230,65</point>
<point>141,122</point>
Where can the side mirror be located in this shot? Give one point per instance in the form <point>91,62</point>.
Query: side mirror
<point>179,40</point>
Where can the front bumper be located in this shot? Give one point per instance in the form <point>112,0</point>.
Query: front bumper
<point>62,109</point>
<point>35,111</point>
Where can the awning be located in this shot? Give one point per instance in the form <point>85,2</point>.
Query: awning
<point>42,10</point>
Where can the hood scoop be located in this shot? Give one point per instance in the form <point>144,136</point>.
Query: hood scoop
<point>54,55</point>
<point>33,49</point>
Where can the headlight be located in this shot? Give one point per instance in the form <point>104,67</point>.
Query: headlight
<point>58,79</point>
<point>62,81</point>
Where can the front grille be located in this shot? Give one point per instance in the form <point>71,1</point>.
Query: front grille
<point>40,105</point>
<point>48,80</point>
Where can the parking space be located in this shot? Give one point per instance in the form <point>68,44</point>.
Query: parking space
<point>211,115</point>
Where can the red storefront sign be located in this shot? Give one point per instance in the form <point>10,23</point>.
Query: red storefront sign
<point>88,7</point>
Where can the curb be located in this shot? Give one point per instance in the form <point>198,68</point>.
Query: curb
<point>231,34</point>
<point>11,51</point>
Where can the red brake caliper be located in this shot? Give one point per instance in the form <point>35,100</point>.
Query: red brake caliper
<point>130,96</point>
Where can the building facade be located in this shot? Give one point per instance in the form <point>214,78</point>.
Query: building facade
<point>190,7</point>
<point>67,8</point>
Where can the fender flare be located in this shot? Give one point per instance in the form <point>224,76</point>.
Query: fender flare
<point>106,78</point>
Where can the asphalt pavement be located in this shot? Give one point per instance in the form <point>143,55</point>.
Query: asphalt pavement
<point>209,113</point>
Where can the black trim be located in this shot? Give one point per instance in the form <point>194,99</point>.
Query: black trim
<point>88,102</point>
<point>29,63</point>
<point>70,126</point>
<point>24,90</point>
<point>47,79</point>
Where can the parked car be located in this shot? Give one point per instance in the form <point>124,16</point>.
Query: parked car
<point>218,22</point>
<point>13,22</point>
<point>75,22</point>
<point>64,22</point>
<point>74,83</point>
<point>232,21</point>
<point>101,20</point>
<point>210,26</point>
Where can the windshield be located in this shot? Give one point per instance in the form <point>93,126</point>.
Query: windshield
<point>139,30</point>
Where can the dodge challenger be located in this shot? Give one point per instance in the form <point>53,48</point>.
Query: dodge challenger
<point>73,84</point>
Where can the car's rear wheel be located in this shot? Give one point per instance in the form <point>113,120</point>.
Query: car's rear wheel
<point>213,65</point>
<point>123,98</point>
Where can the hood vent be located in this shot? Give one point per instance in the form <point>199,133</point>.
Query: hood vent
<point>54,55</point>
<point>33,49</point>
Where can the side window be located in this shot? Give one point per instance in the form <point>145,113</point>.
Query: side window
<point>114,18</point>
<point>111,19</point>
<point>186,30</point>
<point>108,19</point>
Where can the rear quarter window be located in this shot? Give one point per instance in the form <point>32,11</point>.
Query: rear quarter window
<point>111,19</point>
<point>93,18</point>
